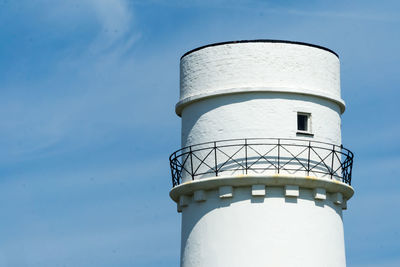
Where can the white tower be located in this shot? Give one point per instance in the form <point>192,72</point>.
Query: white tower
<point>262,177</point>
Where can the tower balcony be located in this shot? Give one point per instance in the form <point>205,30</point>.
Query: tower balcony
<point>261,157</point>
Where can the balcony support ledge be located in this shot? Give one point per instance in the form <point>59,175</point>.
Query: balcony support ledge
<point>309,182</point>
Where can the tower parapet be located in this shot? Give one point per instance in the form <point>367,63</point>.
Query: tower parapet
<point>262,176</point>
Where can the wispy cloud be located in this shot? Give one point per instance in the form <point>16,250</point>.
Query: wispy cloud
<point>96,75</point>
<point>116,18</point>
<point>316,9</point>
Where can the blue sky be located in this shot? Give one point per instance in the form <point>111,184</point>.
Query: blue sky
<point>87,95</point>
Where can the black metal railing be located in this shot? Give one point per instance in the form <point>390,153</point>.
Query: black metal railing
<point>261,156</point>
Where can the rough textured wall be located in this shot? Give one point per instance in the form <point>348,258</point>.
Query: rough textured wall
<point>246,90</point>
<point>271,231</point>
<point>254,90</point>
<point>260,66</point>
<point>260,115</point>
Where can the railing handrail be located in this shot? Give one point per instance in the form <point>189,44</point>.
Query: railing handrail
<point>260,138</point>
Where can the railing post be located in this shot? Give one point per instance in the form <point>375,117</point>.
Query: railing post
<point>333,156</point>
<point>351,170</point>
<point>279,153</point>
<point>308,160</point>
<point>215,158</point>
<point>191,162</point>
<point>171,164</point>
<point>178,171</point>
<point>245,151</point>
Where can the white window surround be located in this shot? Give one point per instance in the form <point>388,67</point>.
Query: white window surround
<point>307,128</point>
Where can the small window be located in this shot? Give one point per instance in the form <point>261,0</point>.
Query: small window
<point>304,122</point>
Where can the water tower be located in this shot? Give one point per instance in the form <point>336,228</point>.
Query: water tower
<point>262,177</point>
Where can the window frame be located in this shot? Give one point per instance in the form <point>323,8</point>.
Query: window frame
<point>309,124</point>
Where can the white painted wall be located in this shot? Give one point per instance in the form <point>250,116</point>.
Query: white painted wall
<point>248,90</point>
<point>258,115</point>
<point>251,106</point>
<point>262,66</point>
<point>262,231</point>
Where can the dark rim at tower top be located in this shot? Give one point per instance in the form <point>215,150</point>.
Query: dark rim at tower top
<point>260,41</point>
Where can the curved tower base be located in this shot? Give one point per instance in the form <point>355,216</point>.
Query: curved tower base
<point>277,220</point>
